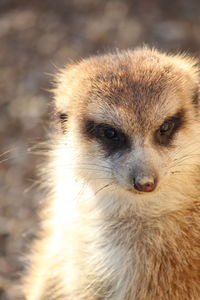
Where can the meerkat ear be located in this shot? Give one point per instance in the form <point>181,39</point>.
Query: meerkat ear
<point>63,117</point>
<point>195,97</point>
<point>190,68</point>
<point>63,95</point>
<point>60,118</point>
<point>194,81</point>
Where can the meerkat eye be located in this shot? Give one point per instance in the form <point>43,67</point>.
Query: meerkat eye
<point>166,127</point>
<point>111,134</point>
<point>166,131</point>
<point>111,139</point>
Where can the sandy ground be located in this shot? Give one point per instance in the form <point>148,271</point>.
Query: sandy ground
<point>36,38</point>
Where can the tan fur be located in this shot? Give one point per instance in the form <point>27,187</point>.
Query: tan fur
<point>101,239</point>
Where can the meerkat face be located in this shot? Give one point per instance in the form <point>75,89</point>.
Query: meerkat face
<point>132,119</point>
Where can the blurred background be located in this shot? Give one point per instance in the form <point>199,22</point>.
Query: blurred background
<point>36,38</point>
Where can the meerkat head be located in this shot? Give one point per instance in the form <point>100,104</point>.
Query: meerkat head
<point>131,119</point>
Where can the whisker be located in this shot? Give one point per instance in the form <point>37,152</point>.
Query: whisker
<point>182,159</point>
<point>88,164</point>
<point>90,169</point>
<point>181,172</point>
<point>180,164</point>
<point>102,178</point>
<point>6,152</point>
<point>5,159</point>
<point>102,188</point>
<point>33,185</point>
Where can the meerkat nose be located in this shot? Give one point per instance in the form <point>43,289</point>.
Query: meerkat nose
<point>145,183</point>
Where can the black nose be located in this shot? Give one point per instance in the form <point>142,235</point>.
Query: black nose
<point>144,183</point>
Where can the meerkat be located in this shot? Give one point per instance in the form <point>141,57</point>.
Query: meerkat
<point>122,221</point>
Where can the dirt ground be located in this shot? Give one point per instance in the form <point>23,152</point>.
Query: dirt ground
<point>36,38</point>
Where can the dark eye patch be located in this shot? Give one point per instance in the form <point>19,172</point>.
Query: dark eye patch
<point>165,133</point>
<point>112,139</point>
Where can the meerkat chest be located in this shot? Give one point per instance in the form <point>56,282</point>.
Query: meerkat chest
<point>131,261</point>
<point>114,261</point>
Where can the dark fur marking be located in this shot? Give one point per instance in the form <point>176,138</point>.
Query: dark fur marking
<point>96,131</point>
<point>166,140</point>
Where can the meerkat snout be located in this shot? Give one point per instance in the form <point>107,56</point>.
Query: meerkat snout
<point>144,177</point>
<point>144,183</point>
